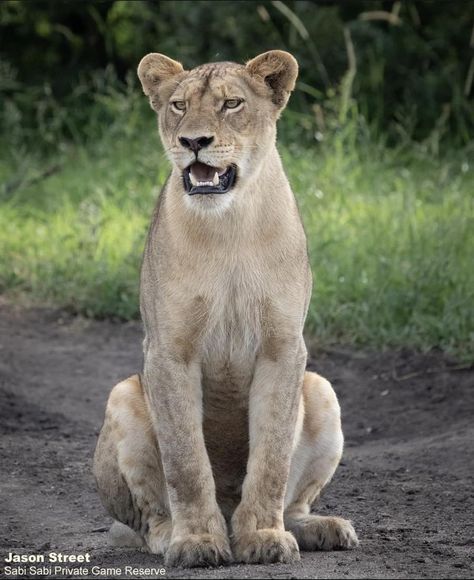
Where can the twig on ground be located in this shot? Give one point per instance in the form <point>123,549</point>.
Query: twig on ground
<point>431,371</point>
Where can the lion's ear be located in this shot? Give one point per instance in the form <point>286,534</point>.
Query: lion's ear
<point>154,68</point>
<point>277,69</point>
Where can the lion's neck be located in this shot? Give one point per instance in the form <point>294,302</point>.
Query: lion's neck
<point>261,205</point>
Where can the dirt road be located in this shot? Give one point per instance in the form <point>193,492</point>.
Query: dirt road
<point>406,479</point>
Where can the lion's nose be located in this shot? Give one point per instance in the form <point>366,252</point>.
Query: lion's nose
<point>196,144</point>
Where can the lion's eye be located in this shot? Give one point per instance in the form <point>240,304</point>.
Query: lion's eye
<point>232,103</point>
<point>179,105</point>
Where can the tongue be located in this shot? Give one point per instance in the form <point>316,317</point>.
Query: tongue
<point>203,172</point>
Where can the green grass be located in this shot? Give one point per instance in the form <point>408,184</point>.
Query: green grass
<point>390,235</point>
<point>391,247</point>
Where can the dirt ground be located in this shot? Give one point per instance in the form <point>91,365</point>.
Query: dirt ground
<point>406,479</point>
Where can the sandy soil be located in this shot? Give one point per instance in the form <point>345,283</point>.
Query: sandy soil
<point>406,479</point>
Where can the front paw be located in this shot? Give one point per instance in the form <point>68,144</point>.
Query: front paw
<point>266,546</point>
<point>197,550</point>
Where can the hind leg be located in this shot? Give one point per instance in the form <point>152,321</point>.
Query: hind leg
<point>128,471</point>
<point>316,456</point>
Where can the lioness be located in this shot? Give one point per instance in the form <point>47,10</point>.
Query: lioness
<point>224,427</point>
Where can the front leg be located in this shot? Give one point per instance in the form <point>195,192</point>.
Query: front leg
<point>258,530</point>
<point>199,536</point>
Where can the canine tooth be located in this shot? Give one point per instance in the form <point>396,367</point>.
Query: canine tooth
<point>215,181</point>
<point>192,179</point>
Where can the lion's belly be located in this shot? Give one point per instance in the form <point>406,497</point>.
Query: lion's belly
<point>226,436</point>
<point>228,353</point>
<point>227,373</point>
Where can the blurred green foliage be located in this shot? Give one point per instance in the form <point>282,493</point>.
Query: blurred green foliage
<point>376,143</point>
<point>390,233</point>
<point>414,59</point>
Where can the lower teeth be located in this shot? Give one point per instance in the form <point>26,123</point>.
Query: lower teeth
<point>214,183</point>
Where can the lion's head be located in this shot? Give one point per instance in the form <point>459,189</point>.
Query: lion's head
<point>217,121</point>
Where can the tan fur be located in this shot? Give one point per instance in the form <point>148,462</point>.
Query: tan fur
<point>226,428</point>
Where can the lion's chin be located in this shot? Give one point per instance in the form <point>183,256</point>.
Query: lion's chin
<point>202,179</point>
<point>209,204</point>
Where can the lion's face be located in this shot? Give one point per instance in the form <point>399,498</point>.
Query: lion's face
<point>218,120</point>
<point>209,127</point>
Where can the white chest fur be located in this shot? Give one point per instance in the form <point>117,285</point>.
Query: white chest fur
<point>233,333</point>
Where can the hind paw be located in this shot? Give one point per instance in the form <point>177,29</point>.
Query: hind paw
<point>323,533</point>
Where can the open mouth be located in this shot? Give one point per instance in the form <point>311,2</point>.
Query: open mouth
<point>200,178</point>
